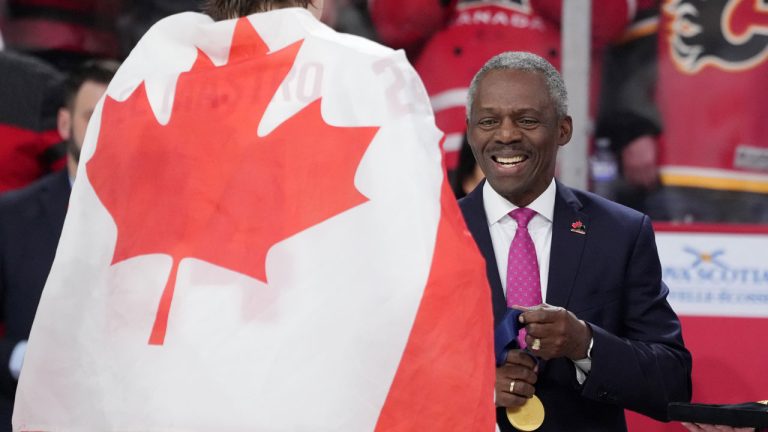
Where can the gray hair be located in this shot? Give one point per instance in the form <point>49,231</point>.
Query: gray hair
<point>528,62</point>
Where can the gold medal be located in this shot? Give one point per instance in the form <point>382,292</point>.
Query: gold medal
<point>528,417</point>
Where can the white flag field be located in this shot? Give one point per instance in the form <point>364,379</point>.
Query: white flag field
<point>261,238</point>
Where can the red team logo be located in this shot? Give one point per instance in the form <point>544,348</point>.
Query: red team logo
<point>729,34</point>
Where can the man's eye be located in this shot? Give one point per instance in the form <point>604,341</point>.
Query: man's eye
<point>487,122</point>
<point>528,122</point>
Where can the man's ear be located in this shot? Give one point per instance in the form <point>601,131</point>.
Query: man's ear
<point>64,123</point>
<point>565,131</point>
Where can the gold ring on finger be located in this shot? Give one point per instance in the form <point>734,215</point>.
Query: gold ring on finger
<point>536,344</point>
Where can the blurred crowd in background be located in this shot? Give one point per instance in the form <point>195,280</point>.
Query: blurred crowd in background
<point>676,85</point>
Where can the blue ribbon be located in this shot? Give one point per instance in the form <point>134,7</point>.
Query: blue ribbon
<point>505,336</point>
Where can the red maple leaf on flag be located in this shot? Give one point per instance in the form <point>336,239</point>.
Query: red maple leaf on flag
<point>205,185</point>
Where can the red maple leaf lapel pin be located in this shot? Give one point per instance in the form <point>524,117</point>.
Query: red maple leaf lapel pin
<point>578,227</point>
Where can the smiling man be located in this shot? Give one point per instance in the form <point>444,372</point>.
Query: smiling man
<point>599,335</point>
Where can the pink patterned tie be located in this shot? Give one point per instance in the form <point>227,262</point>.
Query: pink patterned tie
<point>523,283</point>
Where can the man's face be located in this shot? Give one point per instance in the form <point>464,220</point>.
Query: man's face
<point>514,132</point>
<point>85,102</point>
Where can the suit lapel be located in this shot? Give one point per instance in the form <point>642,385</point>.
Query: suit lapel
<point>477,222</point>
<point>567,246</point>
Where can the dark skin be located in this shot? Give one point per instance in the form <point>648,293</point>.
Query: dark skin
<point>521,369</point>
<point>560,332</point>
<point>515,132</point>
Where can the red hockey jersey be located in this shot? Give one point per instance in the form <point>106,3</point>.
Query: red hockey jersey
<point>713,64</point>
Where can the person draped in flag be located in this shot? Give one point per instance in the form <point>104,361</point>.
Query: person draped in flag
<point>600,336</point>
<point>261,236</point>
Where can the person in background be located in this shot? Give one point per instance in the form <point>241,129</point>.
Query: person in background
<point>628,116</point>
<point>600,334</point>
<point>467,174</point>
<point>30,146</point>
<point>31,220</point>
<point>707,164</point>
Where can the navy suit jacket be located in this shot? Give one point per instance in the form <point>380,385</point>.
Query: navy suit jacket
<point>609,277</point>
<point>31,220</point>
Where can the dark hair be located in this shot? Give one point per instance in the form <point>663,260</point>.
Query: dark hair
<point>225,9</point>
<point>464,169</point>
<point>100,71</point>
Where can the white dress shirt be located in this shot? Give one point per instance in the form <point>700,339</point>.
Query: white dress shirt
<point>502,228</point>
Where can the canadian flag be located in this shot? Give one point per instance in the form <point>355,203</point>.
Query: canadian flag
<point>261,238</point>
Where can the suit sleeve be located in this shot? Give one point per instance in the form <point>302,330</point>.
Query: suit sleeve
<point>646,365</point>
<point>7,382</point>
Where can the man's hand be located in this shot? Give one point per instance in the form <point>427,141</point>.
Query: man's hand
<point>638,162</point>
<point>554,332</point>
<point>697,427</point>
<point>515,379</point>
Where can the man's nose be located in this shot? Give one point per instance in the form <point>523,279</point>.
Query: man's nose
<point>508,131</point>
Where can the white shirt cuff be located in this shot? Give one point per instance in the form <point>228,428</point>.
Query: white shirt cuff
<point>584,365</point>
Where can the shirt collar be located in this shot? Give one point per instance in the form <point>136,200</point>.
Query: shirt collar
<point>496,206</point>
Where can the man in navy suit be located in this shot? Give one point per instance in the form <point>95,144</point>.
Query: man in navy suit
<point>605,337</point>
<point>31,220</point>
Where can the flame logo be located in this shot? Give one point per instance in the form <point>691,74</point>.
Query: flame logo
<point>728,34</point>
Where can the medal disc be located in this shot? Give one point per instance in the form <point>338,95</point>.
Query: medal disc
<point>528,417</point>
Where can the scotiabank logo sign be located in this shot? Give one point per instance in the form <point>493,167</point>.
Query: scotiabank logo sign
<point>728,34</point>
<point>716,278</point>
<point>710,268</point>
